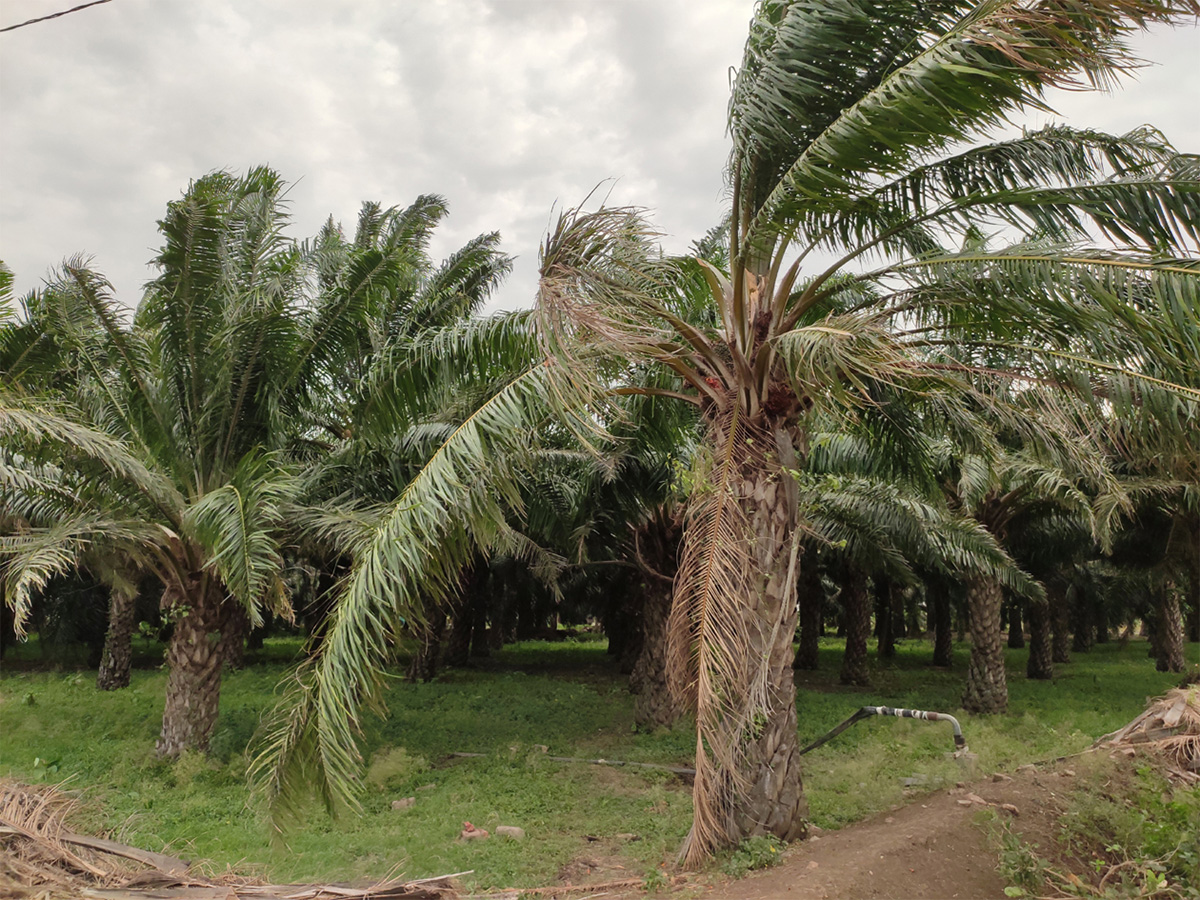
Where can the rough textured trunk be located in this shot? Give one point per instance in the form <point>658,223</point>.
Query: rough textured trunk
<point>1169,628</point>
<point>1082,626</point>
<point>235,629</point>
<point>117,658</point>
<point>856,602</point>
<point>654,704</point>
<point>773,799</point>
<point>1041,655</point>
<point>885,618</point>
<point>626,628</point>
<point>1016,628</point>
<point>656,546</point>
<point>987,687</point>
<point>732,623</point>
<point>812,612</point>
<point>194,668</point>
<point>1060,623</point>
<point>424,663</point>
<point>943,632</point>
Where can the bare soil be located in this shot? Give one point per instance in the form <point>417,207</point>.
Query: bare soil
<point>934,847</point>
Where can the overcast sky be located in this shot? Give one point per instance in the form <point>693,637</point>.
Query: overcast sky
<point>503,106</point>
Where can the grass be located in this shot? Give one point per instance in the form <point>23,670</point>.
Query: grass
<point>1124,831</point>
<point>566,696</point>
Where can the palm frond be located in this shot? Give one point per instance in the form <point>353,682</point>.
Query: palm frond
<point>456,505</point>
<point>707,638</point>
<point>910,79</point>
<point>239,526</point>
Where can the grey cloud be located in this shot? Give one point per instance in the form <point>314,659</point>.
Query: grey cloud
<point>506,107</point>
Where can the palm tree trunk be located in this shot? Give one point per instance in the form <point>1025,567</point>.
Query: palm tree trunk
<point>118,642</point>
<point>885,618</point>
<point>235,630</point>
<point>656,546</point>
<point>458,645</point>
<point>943,626</point>
<point>1102,628</point>
<point>773,800</point>
<point>987,688</point>
<point>1016,629</point>
<point>856,602</point>
<point>1082,626</point>
<point>812,611</point>
<point>1060,623</point>
<point>424,663</point>
<point>1169,629</point>
<point>194,669</point>
<point>1041,655</point>
<point>654,704</point>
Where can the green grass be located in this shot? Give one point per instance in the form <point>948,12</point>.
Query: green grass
<point>567,696</point>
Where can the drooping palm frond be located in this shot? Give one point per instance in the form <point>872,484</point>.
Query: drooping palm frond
<point>40,422</point>
<point>831,95</point>
<point>455,506</point>
<point>238,526</point>
<point>31,557</point>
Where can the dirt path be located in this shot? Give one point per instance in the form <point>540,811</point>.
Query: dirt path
<point>930,848</point>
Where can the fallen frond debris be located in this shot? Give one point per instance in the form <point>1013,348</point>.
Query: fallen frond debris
<point>1170,727</point>
<point>40,857</point>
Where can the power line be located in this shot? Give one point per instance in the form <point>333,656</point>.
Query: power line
<point>55,15</point>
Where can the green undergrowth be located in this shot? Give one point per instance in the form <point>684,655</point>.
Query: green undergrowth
<point>566,697</point>
<point>1125,831</point>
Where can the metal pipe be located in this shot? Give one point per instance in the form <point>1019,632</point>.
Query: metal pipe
<point>960,742</point>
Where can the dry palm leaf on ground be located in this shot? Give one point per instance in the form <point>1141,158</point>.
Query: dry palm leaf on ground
<point>42,857</point>
<point>1170,727</point>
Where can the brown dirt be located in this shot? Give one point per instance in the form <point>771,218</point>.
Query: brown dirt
<point>933,847</point>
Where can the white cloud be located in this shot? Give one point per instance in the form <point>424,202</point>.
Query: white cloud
<point>506,107</point>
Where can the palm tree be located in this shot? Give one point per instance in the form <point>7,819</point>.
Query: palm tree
<point>182,414</point>
<point>208,411</point>
<point>847,123</point>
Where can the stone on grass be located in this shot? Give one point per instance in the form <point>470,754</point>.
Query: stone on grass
<point>403,803</point>
<point>510,831</point>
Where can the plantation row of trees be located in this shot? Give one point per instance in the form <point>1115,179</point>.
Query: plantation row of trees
<point>987,402</point>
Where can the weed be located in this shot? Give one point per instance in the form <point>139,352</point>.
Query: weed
<point>1138,832</point>
<point>760,852</point>
<point>1018,864</point>
<point>654,880</point>
<point>392,768</point>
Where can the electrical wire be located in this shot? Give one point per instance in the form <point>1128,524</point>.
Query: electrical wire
<point>54,15</point>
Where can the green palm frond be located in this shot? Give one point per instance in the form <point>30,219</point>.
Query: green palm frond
<point>455,506</point>
<point>239,525</point>
<point>30,558</point>
<point>41,423</point>
<point>831,95</point>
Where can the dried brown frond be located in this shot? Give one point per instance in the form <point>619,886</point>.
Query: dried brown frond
<point>1170,727</point>
<point>709,663</point>
<point>32,825</point>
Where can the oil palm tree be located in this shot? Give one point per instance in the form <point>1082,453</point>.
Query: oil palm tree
<point>184,442</point>
<point>160,446</point>
<point>861,130</point>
